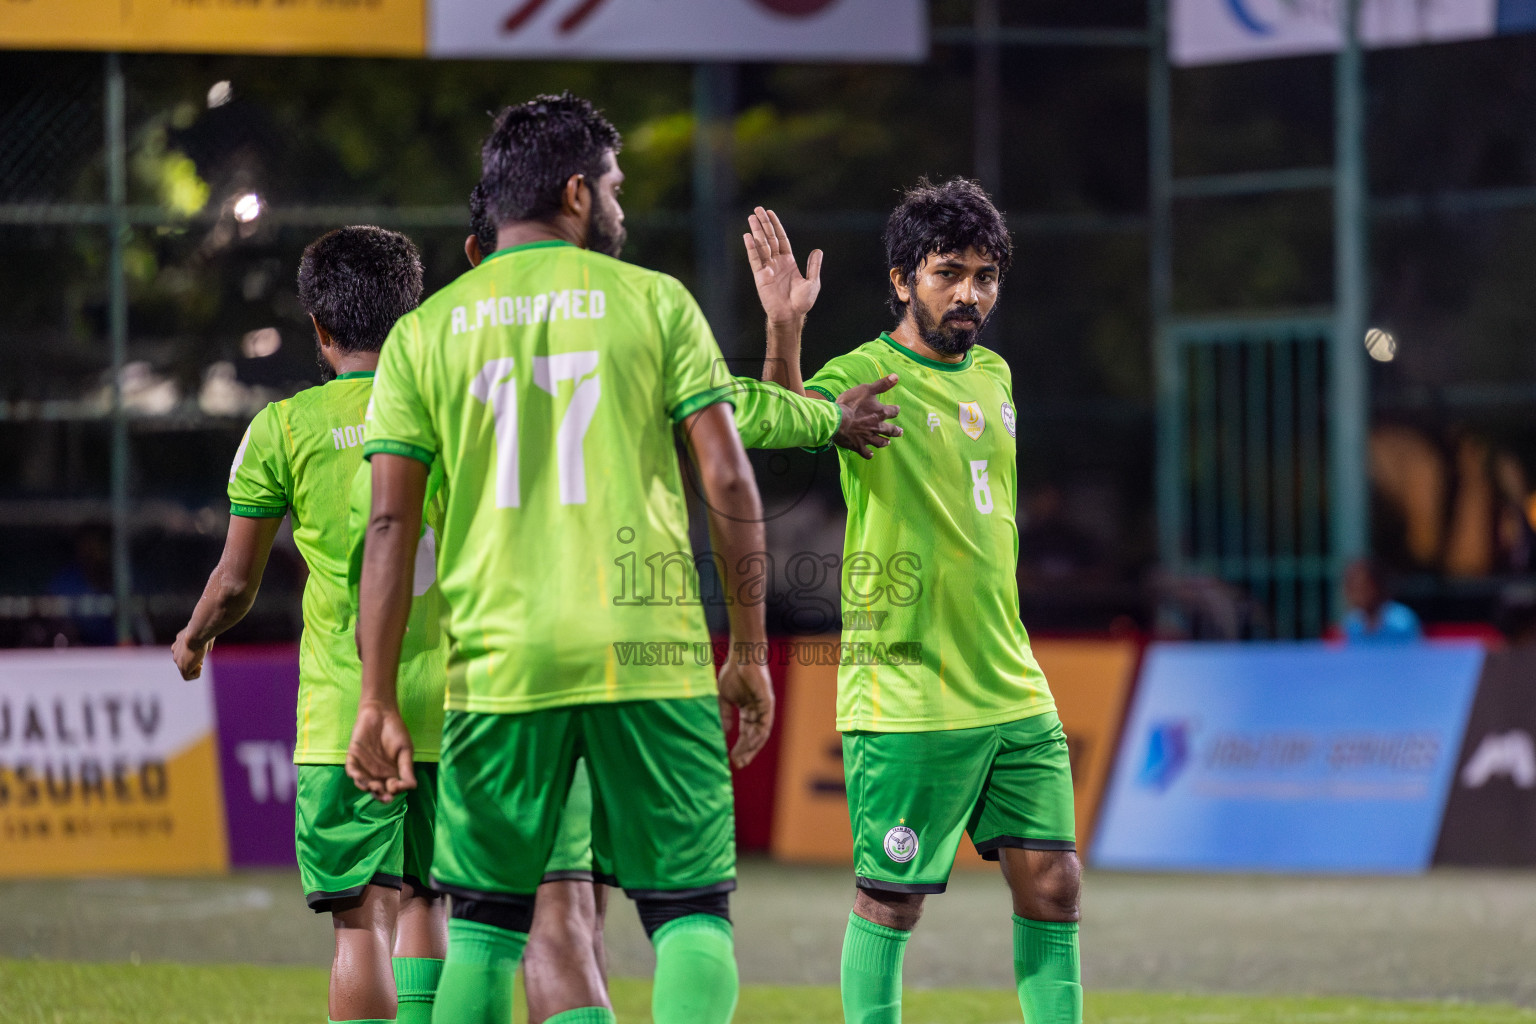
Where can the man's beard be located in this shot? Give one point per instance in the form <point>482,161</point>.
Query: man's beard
<point>944,336</point>
<point>327,371</point>
<point>605,234</point>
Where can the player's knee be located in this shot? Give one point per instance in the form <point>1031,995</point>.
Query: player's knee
<point>1058,888</point>
<point>899,910</point>
<point>656,911</point>
<point>511,912</point>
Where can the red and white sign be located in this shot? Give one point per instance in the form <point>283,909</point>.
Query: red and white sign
<point>786,30</point>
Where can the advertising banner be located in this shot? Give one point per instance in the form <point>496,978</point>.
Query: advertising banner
<point>107,766</point>
<point>1089,678</point>
<point>794,30</point>
<point>1287,757</point>
<point>342,27</point>
<point>1491,816</point>
<point>1219,31</point>
<point>256,690</point>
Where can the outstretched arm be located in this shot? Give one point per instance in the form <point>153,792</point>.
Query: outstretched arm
<point>736,531</point>
<point>787,295</point>
<point>379,756</point>
<point>230,592</point>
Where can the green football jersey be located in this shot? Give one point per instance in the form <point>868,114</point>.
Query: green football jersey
<point>299,457</point>
<point>931,631</point>
<point>547,380</point>
<point>423,672</point>
<point>770,416</point>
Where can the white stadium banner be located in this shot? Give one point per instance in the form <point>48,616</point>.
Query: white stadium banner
<point>784,30</point>
<point>1223,31</point>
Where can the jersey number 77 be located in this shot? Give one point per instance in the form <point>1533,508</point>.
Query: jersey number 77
<point>496,385</point>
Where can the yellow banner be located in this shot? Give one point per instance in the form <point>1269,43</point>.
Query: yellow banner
<point>1090,679</point>
<point>108,766</point>
<point>341,27</point>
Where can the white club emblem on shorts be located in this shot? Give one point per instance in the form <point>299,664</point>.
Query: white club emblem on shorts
<point>901,844</point>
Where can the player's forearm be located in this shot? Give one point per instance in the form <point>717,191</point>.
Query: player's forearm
<point>781,365</point>
<point>225,601</point>
<point>736,532</point>
<point>384,602</point>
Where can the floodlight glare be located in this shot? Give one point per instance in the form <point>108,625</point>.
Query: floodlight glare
<point>247,208</point>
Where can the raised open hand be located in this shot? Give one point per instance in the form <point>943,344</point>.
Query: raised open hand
<point>785,293</point>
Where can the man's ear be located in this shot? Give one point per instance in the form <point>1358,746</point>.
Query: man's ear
<point>899,282</point>
<point>576,197</point>
<point>472,250</point>
<point>326,341</point>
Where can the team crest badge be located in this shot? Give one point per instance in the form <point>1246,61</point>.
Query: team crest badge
<point>901,844</point>
<point>971,420</point>
<point>1010,423</point>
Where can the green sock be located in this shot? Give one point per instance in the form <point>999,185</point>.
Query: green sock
<point>476,986</point>
<point>1045,965</point>
<point>415,986</point>
<point>584,1015</point>
<point>872,972</point>
<point>695,971</point>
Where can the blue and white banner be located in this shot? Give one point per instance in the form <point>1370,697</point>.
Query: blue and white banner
<point>1222,31</point>
<point>1288,757</point>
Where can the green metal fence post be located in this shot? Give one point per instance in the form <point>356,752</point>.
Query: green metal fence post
<point>714,103</point>
<point>1170,402</point>
<point>1348,502</point>
<point>117,202</point>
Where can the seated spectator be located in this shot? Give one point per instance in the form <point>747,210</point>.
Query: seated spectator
<point>1373,618</point>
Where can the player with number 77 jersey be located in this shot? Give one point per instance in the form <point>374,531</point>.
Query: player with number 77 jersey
<point>948,724</point>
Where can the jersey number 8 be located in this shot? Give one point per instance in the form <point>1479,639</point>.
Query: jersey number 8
<point>495,386</point>
<point>981,491</point>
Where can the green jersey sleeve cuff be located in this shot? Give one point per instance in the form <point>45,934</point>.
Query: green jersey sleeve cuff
<point>824,393</point>
<point>703,400</point>
<point>389,447</point>
<point>257,511</point>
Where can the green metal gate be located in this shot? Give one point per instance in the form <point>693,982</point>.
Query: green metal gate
<point>1245,458</point>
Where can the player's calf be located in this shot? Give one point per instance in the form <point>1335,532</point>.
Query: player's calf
<point>1046,885</point>
<point>362,982</point>
<point>563,966</point>
<point>696,981</point>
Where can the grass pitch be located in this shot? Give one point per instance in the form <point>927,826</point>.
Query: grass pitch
<point>49,992</point>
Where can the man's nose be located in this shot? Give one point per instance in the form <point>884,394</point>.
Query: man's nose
<point>966,292</point>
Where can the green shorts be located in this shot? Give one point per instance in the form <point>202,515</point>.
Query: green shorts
<point>662,816</point>
<point>911,794</point>
<point>571,859</point>
<point>347,840</point>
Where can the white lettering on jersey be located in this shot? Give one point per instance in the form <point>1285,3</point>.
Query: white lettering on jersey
<point>348,437</point>
<point>546,307</point>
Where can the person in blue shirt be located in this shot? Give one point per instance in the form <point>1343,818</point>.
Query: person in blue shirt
<point>1373,618</point>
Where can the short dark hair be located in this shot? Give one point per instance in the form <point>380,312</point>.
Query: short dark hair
<point>480,220</point>
<point>951,217</point>
<point>533,150</point>
<point>357,281</point>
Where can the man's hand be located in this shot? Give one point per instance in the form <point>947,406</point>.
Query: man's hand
<point>744,685</point>
<point>379,756</point>
<point>189,656</point>
<point>865,417</point>
<point>785,294</point>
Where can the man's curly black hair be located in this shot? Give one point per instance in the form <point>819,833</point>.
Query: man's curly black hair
<point>533,150</point>
<point>936,219</point>
<point>357,281</point>
<point>480,221</point>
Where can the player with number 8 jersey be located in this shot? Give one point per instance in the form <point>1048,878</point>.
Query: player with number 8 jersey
<point>948,725</point>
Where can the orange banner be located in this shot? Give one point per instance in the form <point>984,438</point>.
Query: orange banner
<point>341,27</point>
<point>1091,680</point>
